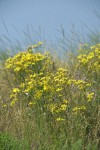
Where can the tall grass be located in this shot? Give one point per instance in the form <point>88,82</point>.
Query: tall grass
<point>49,102</point>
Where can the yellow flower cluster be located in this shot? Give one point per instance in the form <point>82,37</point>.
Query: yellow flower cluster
<point>79,108</point>
<point>32,47</point>
<point>90,96</point>
<point>24,61</point>
<point>54,90</point>
<point>81,84</point>
<point>91,61</point>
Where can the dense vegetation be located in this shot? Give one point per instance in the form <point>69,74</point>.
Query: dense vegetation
<point>50,103</point>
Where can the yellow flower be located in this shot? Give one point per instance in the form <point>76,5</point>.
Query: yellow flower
<point>60,119</point>
<point>36,45</point>
<point>4,106</point>
<point>13,102</point>
<point>79,108</point>
<point>45,87</point>
<point>90,56</point>
<point>58,90</point>
<point>16,90</point>
<point>17,69</point>
<point>63,107</point>
<point>65,101</point>
<point>52,107</point>
<point>38,94</point>
<point>90,96</point>
<point>31,103</point>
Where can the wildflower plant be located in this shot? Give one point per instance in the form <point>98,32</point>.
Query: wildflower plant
<point>58,98</point>
<point>52,90</point>
<point>90,62</point>
<point>28,69</point>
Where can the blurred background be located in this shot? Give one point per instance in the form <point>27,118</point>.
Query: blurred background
<point>56,21</point>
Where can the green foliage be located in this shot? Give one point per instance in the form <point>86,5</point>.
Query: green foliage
<point>9,143</point>
<point>91,147</point>
<point>77,145</point>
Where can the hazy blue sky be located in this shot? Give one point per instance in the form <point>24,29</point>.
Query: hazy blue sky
<point>47,14</point>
